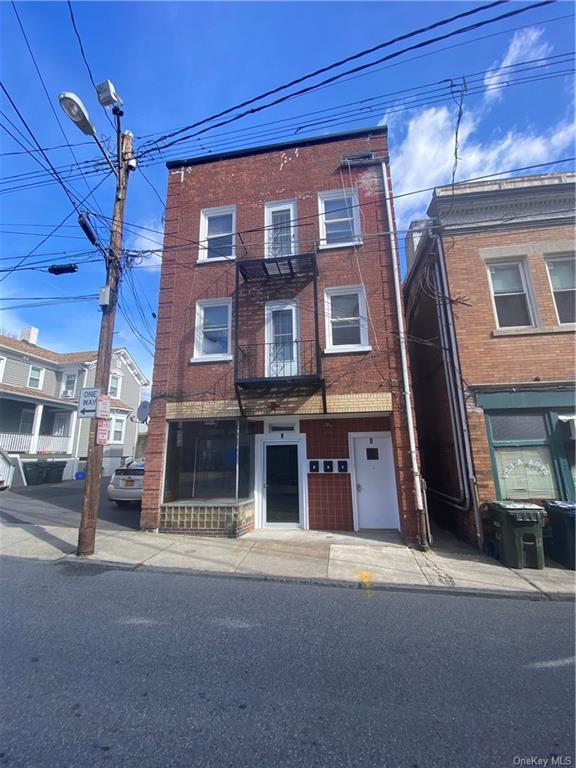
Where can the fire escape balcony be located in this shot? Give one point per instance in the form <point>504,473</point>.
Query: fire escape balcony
<point>284,364</point>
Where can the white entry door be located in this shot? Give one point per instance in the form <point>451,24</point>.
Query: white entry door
<point>281,339</point>
<point>374,481</point>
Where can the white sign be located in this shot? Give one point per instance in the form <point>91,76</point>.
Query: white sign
<point>87,403</point>
<point>102,433</point>
<point>102,407</point>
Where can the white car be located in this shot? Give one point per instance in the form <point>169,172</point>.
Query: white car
<point>126,484</point>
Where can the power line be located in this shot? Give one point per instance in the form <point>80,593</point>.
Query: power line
<point>77,33</point>
<point>359,68</point>
<point>329,67</point>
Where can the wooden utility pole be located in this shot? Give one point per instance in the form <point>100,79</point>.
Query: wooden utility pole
<point>87,532</point>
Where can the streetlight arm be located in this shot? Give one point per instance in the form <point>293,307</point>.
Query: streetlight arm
<point>103,150</point>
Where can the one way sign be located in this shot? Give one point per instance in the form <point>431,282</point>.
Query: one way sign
<point>87,403</point>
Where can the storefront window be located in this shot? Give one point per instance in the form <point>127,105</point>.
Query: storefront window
<point>202,459</point>
<point>523,457</point>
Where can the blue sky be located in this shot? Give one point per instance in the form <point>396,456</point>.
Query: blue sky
<point>175,63</point>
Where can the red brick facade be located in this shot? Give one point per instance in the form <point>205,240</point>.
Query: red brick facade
<point>536,363</point>
<point>185,390</point>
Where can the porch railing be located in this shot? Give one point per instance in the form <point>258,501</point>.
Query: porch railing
<point>12,442</point>
<point>53,444</point>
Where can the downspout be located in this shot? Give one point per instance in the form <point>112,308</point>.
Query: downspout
<point>422,521</point>
<point>460,396</point>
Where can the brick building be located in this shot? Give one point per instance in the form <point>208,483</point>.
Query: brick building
<point>491,287</point>
<point>278,396</point>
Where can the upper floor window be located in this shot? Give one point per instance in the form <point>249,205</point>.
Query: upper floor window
<point>510,292</point>
<point>217,227</point>
<point>563,281</point>
<point>115,385</point>
<point>117,428</point>
<point>280,230</point>
<point>339,218</point>
<point>35,377</point>
<point>213,329</point>
<point>2,365</point>
<point>346,326</point>
<point>69,385</point>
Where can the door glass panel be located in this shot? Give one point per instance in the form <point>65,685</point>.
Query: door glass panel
<point>282,352</point>
<point>282,500</point>
<point>280,234</point>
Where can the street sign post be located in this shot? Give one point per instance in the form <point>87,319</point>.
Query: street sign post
<point>87,402</point>
<point>102,407</point>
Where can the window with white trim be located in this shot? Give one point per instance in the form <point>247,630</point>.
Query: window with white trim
<point>213,329</point>
<point>563,281</point>
<point>346,325</point>
<point>279,221</point>
<point>339,218</point>
<point>115,385</point>
<point>2,365</point>
<point>217,227</point>
<point>35,377</point>
<point>510,293</point>
<point>117,429</point>
<point>69,384</point>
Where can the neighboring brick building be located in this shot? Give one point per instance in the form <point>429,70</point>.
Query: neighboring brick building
<point>491,286</point>
<point>278,385</point>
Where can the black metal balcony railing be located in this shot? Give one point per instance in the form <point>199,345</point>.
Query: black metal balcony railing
<point>280,362</point>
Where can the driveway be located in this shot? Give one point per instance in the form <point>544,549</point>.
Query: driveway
<point>60,504</point>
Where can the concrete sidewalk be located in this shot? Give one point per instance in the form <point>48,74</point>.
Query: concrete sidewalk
<point>368,560</point>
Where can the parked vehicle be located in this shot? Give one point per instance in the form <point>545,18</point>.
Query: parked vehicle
<point>126,484</point>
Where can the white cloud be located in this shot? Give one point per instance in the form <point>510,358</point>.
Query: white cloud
<point>426,155</point>
<point>149,238</point>
<point>525,45</point>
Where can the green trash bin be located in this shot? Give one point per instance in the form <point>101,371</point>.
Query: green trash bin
<point>518,533</point>
<point>33,473</point>
<point>55,472</point>
<point>562,517</point>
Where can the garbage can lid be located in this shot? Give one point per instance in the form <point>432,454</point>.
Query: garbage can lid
<point>567,507</point>
<point>514,505</point>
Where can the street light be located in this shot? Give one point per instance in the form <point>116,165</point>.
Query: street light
<point>78,113</point>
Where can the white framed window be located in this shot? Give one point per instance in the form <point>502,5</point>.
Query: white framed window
<point>346,319</point>
<point>69,384</point>
<point>115,385</point>
<point>510,295</point>
<point>217,227</point>
<point>2,366</point>
<point>117,429</point>
<point>35,377</point>
<point>562,274</point>
<point>212,338</point>
<point>339,217</point>
<point>279,221</point>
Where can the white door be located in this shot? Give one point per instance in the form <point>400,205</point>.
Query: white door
<point>376,501</point>
<point>281,339</point>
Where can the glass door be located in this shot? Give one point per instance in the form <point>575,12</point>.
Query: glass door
<point>280,235</point>
<point>281,341</point>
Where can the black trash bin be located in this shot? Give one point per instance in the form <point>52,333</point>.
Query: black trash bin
<point>55,472</point>
<point>518,532</point>
<point>562,516</point>
<point>35,472</point>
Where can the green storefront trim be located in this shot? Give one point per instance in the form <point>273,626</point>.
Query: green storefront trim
<point>494,401</point>
<point>551,405</point>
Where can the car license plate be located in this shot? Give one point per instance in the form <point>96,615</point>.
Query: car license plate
<point>128,483</point>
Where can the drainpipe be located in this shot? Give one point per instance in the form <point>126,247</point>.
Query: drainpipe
<point>460,395</point>
<point>422,521</point>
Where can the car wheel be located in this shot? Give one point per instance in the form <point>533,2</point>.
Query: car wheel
<point>123,503</point>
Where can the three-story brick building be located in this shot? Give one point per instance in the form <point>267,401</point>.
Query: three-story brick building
<point>279,394</point>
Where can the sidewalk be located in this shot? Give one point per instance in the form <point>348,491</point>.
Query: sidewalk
<point>372,561</point>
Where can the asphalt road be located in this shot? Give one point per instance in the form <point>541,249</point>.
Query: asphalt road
<point>60,504</point>
<point>114,668</point>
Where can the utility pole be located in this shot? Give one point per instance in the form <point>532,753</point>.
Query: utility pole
<point>87,532</point>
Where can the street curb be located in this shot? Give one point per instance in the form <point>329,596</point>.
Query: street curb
<point>110,565</point>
